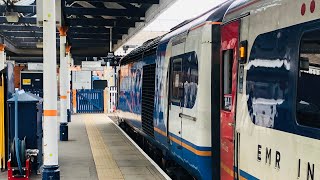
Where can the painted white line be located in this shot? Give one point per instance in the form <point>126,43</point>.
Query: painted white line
<point>142,152</point>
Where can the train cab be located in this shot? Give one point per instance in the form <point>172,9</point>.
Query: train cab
<point>274,90</point>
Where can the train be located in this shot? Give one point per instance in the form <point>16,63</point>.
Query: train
<point>230,94</point>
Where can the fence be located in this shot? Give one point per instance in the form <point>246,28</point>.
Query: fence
<point>90,101</point>
<point>94,100</point>
<point>113,98</point>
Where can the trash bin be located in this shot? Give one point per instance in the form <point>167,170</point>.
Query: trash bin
<point>29,124</point>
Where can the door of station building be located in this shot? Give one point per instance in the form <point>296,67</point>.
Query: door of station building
<point>229,67</point>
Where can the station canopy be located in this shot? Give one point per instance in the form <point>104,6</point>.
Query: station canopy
<point>88,21</point>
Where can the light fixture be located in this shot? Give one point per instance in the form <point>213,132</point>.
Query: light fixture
<point>12,17</point>
<point>39,44</point>
<point>243,51</point>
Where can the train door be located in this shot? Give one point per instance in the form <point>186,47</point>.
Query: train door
<point>176,91</point>
<point>229,63</point>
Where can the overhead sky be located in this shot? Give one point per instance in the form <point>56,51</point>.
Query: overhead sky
<point>180,11</point>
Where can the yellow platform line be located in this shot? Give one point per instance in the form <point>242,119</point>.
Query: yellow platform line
<point>105,165</point>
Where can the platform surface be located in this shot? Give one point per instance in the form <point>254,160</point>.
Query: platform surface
<point>97,149</point>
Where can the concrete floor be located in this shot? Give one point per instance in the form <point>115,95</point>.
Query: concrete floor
<point>111,155</point>
<point>75,157</point>
<point>128,159</point>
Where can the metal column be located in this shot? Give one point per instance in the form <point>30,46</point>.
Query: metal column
<point>2,56</point>
<point>115,68</point>
<point>63,85</point>
<point>68,49</point>
<point>50,139</point>
<point>110,48</point>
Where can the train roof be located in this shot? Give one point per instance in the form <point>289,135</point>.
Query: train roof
<point>145,49</point>
<point>240,8</point>
<point>215,15</point>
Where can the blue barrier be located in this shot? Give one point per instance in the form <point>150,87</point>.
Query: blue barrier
<point>90,101</point>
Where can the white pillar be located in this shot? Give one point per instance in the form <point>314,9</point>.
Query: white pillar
<point>68,81</point>
<point>50,138</point>
<point>2,56</point>
<point>63,85</point>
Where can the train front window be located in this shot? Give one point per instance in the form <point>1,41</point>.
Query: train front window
<point>308,92</point>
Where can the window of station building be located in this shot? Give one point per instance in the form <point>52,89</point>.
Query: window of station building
<point>227,79</point>
<point>308,92</point>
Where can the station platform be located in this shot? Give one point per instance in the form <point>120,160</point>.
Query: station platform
<point>98,150</point>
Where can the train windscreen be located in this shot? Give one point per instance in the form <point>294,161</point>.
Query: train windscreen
<point>308,96</point>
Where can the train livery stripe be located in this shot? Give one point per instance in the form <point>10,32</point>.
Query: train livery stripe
<point>243,175</point>
<point>160,131</point>
<point>242,7</point>
<point>186,146</point>
<point>226,169</point>
<point>50,113</point>
<point>201,148</point>
<point>199,26</point>
<point>246,176</point>
<point>63,97</point>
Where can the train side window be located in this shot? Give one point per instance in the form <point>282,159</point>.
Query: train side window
<point>176,81</point>
<point>308,96</point>
<point>227,79</point>
<point>190,83</point>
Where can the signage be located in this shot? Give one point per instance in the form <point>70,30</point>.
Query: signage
<point>110,55</point>
<point>91,66</point>
<point>35,66</point>
<point>26,82</point>
<point>112,59</point>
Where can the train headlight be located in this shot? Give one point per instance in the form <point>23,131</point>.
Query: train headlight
<point>243,51</point>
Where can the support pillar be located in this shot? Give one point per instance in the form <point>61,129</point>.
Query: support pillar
<point>115,68</point>
<point>50,140</point>
<point>68,49</point>
<point>74,93</point>
<point>63,85</point>
<point>2,56</point>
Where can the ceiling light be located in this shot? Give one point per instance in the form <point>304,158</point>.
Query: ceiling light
<point>12,17</point>
<point>39,45</point>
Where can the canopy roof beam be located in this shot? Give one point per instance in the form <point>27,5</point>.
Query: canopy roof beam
<point>103,12</point>
<point>120,1</point>
<point>100,22</point>
<point>21,9</point>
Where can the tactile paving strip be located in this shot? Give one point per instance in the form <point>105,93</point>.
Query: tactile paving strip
<point>106,166</point>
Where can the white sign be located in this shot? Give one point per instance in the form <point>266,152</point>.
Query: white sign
<point>91,66</point>
<point>35,66</point>
<point>110,55</point>
<point>81,80</point>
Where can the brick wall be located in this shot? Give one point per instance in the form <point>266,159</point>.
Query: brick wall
<point>17,70</point>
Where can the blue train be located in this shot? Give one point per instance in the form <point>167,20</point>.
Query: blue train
<point>164,92</point>
<point>231,94</point>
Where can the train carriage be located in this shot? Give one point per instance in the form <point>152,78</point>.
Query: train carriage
<point>233,93</point>
<point>275,87</point>
<point>177,115</point>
